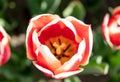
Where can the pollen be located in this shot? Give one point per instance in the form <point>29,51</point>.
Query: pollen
<point>62,48</point>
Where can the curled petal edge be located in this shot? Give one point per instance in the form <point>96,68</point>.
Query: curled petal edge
<point>105,30</point>
<point>88,38</point>
<point>58,76</point>
<point>33,26</point>
<point>44,52</point>
<point>5,51</point>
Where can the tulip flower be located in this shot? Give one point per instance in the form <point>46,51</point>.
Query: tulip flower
<point>58,46</point>
<point>111,28</point>
<point>4,46</point>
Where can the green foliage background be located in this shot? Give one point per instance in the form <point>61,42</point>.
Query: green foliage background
<point>104,65</point>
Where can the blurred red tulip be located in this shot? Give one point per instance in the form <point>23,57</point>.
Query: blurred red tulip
<point>58,47</point>
<point>111,28</point>
<point>4,46</point>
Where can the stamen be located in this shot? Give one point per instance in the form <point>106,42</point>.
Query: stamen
<point>52,45</point>
<point>59,41</point>
<point>62,48</point>
<point>67,47</point>
<point>52,48</point>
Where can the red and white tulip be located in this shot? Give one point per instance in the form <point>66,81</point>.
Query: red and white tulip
<point>4,46</point>
<point>111,28</point>
<point>57,46</point>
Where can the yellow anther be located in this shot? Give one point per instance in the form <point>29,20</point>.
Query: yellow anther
<point>59,48</point>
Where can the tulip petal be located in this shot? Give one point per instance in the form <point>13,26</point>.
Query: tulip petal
<point>105,29</point>
<point>115,39</point>
<point>29,44</point>
<point>116,10</point>
<point>44,56</point>
<point>4,34</point>
<point>67,74</point>
<point>57,27</point>
<point>84,31</point>
<point>36,23</point>
<point>41,20</point>
<point>4,51</point>
<point>71,27</point>
<point>4,46</point>
<point>1,36</point>
<point>44,70</point>
<point>58,76</point>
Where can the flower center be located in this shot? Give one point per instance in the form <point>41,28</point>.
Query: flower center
<point>62,48</point>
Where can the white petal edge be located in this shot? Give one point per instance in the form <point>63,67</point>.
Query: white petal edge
<point>58,76</point>
<point>45,51</point>
<point>4,33</point>
<point>90,35</point>
<point>90,44</point>
<point>81,22</point>
<point>44,70</point>
<point>30,26</point>
<point>67,74</point>
<point>106,30</point>
<point>66,22</point>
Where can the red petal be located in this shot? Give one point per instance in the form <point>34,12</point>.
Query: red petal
<point>44,57</point>
<point>29,46</point>
<point>83,31</point>
<point>41,20</point>
<point>113,19</point>
<point>115,39</point>
<point>4,51</point>
<point>66,74</point>
<point>54,29</point>
<point>116,10</point>
<point>4,46</point>
<point>58,76</point>
<point>36,23</point>
<point>105,29</point>
<point>41,68</point>
<point>1,36</point>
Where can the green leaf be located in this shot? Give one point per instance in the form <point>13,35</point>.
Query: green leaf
<point>52,5</point>
<point>2,22</point>
<point>8,25</point>
<point>115,60</point>
<point>3,6</point>
<point>100,46</point>
<point>72,79</point>
<point>96,68</point>
<point>43,6</point>
<point>34,6</point>
<point>76,9</point>
<point>115,64</point>
<point>42,80</point>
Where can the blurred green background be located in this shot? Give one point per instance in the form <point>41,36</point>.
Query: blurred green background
<point>104,65</point>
